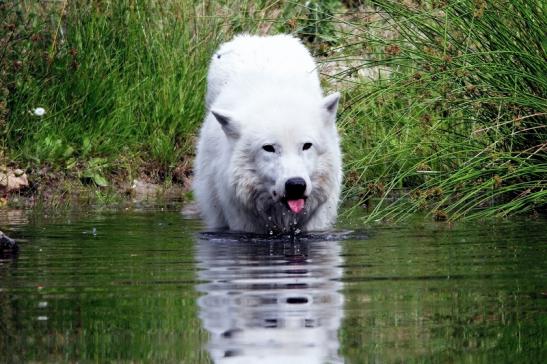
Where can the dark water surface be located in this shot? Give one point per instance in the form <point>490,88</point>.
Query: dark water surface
<point>144,286</point>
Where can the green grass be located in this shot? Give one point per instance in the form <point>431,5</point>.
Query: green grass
<point>119,80</point>
<point>458,127</point>
<point>453,124</point>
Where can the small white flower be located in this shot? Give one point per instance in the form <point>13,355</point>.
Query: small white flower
<point>39,111</point>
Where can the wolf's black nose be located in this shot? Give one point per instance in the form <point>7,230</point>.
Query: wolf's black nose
<point>295,188</point>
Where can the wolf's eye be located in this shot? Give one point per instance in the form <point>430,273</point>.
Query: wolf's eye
<point>306,146</point>
<point>269,148</point>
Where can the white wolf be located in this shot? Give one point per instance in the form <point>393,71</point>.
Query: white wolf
<point>268,157</point>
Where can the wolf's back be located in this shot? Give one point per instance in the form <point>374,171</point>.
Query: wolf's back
<point>254,58</point>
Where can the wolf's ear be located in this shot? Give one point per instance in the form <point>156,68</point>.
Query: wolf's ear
<point>330,105</point>
<point>226,120</point>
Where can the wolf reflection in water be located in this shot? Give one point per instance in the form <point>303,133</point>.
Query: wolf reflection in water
<point>271,302</point>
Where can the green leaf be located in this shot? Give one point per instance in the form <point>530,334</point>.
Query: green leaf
<point>86,146</point>
<point>68,151</point>
<point>71,163</point>
<point>99,180</point>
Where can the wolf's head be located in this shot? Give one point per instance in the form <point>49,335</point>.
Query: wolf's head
<point>286,158</point>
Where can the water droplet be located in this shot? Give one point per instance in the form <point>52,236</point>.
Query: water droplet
<point>42,318</point>
<point>42,304</point>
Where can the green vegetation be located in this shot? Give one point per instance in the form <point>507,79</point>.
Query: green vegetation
<point>121,83</point>
<point>458,128</point>
<point>444,102</point>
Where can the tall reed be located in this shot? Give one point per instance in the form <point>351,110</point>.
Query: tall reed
<point>457,126</point>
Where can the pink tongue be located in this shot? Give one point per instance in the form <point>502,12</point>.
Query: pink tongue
<point>296,205</point>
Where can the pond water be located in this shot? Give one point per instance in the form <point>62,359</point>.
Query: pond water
<point>146,286</point>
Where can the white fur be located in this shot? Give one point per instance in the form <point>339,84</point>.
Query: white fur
<point>265,90</point>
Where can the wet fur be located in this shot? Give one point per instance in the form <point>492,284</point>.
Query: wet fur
<point>233,181</point>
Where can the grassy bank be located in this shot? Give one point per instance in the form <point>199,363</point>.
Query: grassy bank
<point>458,128</point>
<point>443,111</point>
<point>121,83</point>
